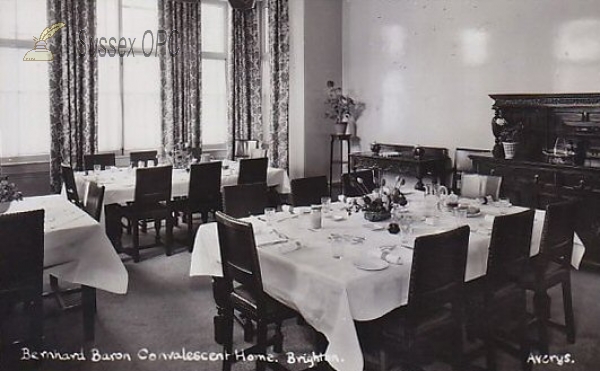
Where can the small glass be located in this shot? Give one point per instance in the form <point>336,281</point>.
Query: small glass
<point>405,222</point>
<point>461,216</point>
<point>337,246</point>
<point>326,204</point>
<point>315,217</point>
<point>269,215</point>
<point>97,169</point>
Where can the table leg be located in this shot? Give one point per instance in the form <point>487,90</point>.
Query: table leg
<point>88,295</point>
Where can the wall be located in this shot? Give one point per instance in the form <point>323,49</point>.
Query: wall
<point>425,68</point>
<point>316,57</point>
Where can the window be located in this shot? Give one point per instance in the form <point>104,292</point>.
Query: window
<point>214,72</point>
<point>24,99</point>
<point>129,105</point>
<point>129,102</point>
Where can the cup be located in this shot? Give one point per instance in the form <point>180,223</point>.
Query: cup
<point>269,215</point>
<point>342,198</point>
<point>461,215</point>
<point>337,246</point>
<point>97,169</point>
<point>326,205</point>
<point>287,208</point>
<point>315,217</point>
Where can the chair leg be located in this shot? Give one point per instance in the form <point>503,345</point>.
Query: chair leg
<point>135,253</point>
<point>37,323</point>
<point>542,313</point>
<point>227,339</point>
<point>169,235</point>
<point>261,345</point>
<point>157,228</point>
<point>524,346</point>
<point>190,232</point>
<point>278,347</point>
<point>568,308</point>
<point>89,311</point>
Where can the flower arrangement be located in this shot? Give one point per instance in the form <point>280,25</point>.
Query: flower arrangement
<point>378,205</point>
<point>510,133</point>
<point>340,107</point>
<point>9,191</point>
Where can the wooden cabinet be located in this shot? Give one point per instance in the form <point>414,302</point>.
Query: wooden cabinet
<point>530,179</point>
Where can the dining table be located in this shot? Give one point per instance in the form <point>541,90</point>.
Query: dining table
<point>119,182</point>
<point>371,278</point>
<point>76,250</point>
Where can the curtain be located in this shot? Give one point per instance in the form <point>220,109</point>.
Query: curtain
<point>73,87</point>
<point>279,51</point>
<point>244,104</point>
<point>181,67</point>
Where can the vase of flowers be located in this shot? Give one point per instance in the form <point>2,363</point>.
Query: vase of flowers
<point>9,191</point>
<point>341,109</point>
<point>510,136</point>
<point>378,205</point>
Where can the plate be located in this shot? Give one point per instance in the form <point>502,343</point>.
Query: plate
<point>474,215</point>
<point>338,218</point>
<point>370,264</point>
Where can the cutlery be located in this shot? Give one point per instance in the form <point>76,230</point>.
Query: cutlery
<point>408,246</point>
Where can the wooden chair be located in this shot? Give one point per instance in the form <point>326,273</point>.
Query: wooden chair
<point>93,206</point>
<point>152,201</point>
<point>244,200</point>
<point>204,194</point>
<point>144,156</point>
<point>352,188</point>
<point>503,301</point>
<point>308,191</point>
<point>552,267</point>
<point>253,170</point>
<point>435,299</point>
<point>463,164</point>
<point>244,290</point>
<point>21,279</point>
<point>476,185</point>
<point>70,185</point>
<point>104,160</point>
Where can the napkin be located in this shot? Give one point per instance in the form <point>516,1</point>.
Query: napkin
<point>388,254</point>
<point>268,238</point>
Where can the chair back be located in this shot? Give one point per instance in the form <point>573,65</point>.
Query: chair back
<point>205,183</point>
<point>253,170</point>
<point>94,203</point>
<point>22,252</point>
<point>244,200</point>
<point>308,191</point>
<point>438,270</point>
<point>510,247</point>
<point>144,156</point>
<point>104,160</point>
<point>476,185</point>
<point>153,185</point>
<point>239,257</point>
<point>352,188</point>
<point>70,185</point>
<point>244,147</point>
<point>558,232</point>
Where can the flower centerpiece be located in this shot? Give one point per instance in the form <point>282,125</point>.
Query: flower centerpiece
<point>378,205</point>
<point>341,109</point>
<point>9,191</point>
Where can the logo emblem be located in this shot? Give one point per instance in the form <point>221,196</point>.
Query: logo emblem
<point>40,52</point>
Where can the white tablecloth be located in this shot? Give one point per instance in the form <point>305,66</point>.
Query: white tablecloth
<point>332,293</point>
<point>120,182</point>
<point>76,248</point>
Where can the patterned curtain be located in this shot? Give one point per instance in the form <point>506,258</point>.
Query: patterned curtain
<point>181,84</point>
<point>245,117</point>
<point>73,87</point>
<point>279,30</point>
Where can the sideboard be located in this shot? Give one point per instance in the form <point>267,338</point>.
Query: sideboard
<point>419,162</point>
<point>534,177</point>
